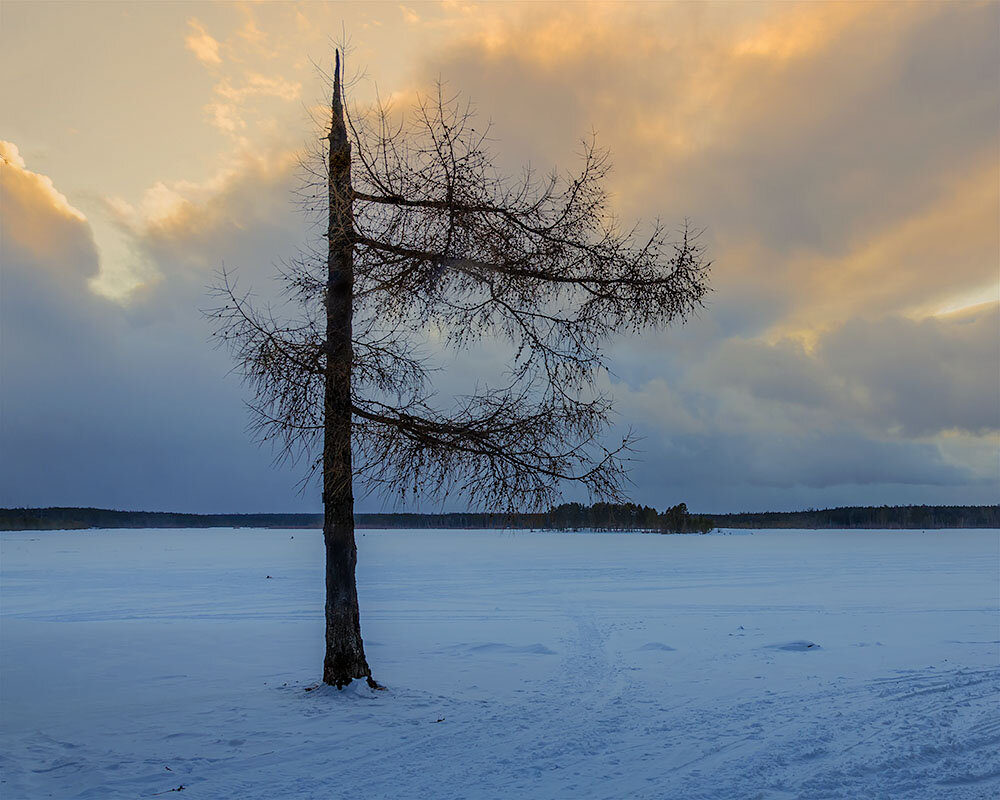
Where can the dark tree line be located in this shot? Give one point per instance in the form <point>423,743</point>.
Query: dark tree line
<point>874,517</point>
<point>624,517</point>
<point>567,516</point>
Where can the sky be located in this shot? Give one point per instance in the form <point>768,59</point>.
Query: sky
<point>843,160</point>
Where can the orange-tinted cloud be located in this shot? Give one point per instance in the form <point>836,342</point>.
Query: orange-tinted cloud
<point>39,229</point>
<point>204,46</point>
<point>837,153</point>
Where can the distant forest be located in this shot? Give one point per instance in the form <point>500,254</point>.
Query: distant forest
<point>568,516</point>
<point>892,517</point>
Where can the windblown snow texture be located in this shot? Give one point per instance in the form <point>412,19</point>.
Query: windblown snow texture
<point>775,665</point>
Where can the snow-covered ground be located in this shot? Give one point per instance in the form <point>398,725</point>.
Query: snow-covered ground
<point>519,665</point>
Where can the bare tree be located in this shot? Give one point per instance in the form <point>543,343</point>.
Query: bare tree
<point>429,248</point>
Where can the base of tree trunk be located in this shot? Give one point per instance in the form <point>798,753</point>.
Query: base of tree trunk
<point>342,668</point>
<point>372,683</point>
<point>345,655</point>
<point>345,651</point>
<point>344,660</point>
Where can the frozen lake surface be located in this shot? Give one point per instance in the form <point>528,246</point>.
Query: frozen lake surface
<point>518,665</point>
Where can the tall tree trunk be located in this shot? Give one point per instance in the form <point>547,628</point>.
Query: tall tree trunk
<point>345,653</point>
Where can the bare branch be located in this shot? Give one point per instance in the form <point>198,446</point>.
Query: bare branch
<point>447,252</point>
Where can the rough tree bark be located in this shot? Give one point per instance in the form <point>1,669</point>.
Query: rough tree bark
<point>345,652</point>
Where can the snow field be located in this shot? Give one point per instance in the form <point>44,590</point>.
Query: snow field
<point>836,664</point>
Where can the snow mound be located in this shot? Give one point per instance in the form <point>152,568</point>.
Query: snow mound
<point>798,646</point>
<point>537,649</point>
<point>657,646</point>
<point>355,690</point>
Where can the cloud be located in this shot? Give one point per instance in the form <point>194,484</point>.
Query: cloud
<point>886,404</point>
<point>129,406</point>
<point>226,117</point>
<point>411,16</point>
<point>205,48</point>
<point>201,225</point>
<point>843,159</point>
<point>40,231</point>
<point>889,376</point>
<point>813,461</point>
<point>796,32</point>
<point>841,156</point>
<point>228,114</point>
<point>240,83</point>
<point>258,85</point>
<point>923,377</point>
<point>836,152</point>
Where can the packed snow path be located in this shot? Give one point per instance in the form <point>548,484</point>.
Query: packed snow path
<point>538,665</point>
